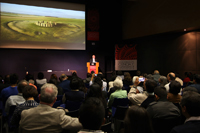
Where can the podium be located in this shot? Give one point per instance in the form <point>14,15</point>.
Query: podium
<point>94,68</point>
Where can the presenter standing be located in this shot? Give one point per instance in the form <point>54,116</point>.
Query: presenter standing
<point>93,60</point>
<point>93,65</point>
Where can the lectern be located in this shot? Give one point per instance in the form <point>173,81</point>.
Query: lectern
<point>94,68</point>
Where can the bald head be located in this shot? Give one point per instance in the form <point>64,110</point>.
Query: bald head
<point>100,73</point>
<point>21,85</point>
<point>48,90</point>
<point>156,72</point>
<point>171,76</point>
<point>48,93</point>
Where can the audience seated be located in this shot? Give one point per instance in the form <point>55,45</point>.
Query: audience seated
<point>100,83</point>
<point>162,108</point>
<point>138,73</point>
<point>64,83</point>
<point>95,91</point>
<point>29,92</point>
<point>74,74</point>
<point>191,76</point>
<point>137,98</point>
<point>16,99</point>
<point>82,86</point>
<point>29,78</point>
<point>7,80</point>
<point>189,88</point>
<point>135,82</point>
<point>93,75</point>
<point>196,82</point>
<point>75,94</point>
<point>87,80</point>
<point>190,104</point>
<point>137,120</point>
<point>186,80</point>
<point>119,93</point>
<point>162,81</point>
<point>54,76</point>
<point>110,83</point>
<point>127,79</point>
<point>113,89</point>
<point>41,80</point>
<point>170,77</point>
<point>149,86</point>
<point>178,79</point>
<point>91,115</point>
<point>55,82</point>
<point>144,75</point>
<point>120,74</point>
<point>3,84</point>
<point>99,76</point>
<point>44,118</point>
<point>11,90</point>
<point>149,76</point>
<point>156,75</point>
<point>164,114</point>
<point>174,89</point>
<point>160,103</point>
<point>104,83</point>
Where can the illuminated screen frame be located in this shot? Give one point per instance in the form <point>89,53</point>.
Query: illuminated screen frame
<point>45,44</point>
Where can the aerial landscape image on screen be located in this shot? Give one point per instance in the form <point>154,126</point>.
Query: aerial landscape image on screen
<point>33,23</point>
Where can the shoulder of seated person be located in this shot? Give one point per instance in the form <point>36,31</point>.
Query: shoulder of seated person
<point>59,110</point>
<point>26,110</point>
<point>152,103</point>
<point>133,87</point>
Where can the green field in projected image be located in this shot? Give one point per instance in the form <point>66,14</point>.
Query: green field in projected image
<point>22,27</point>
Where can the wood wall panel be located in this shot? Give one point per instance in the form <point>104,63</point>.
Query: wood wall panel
<point>147,17</point>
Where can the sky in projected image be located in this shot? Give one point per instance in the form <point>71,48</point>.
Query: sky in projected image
<point>42,11</point>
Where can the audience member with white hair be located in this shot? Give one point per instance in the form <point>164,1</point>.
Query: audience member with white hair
<point>136,82</point>
<point>113,89</point>
<point>136,85</point>
<point>137,98</point>
<point>119,93</point>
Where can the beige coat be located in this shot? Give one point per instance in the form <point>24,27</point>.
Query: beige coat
<point>137,98</point>
<point>44,118</point>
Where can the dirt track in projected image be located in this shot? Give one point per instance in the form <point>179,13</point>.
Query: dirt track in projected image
<point>21,27</point>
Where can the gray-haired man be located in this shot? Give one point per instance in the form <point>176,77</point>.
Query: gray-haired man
<point>44,118</point>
